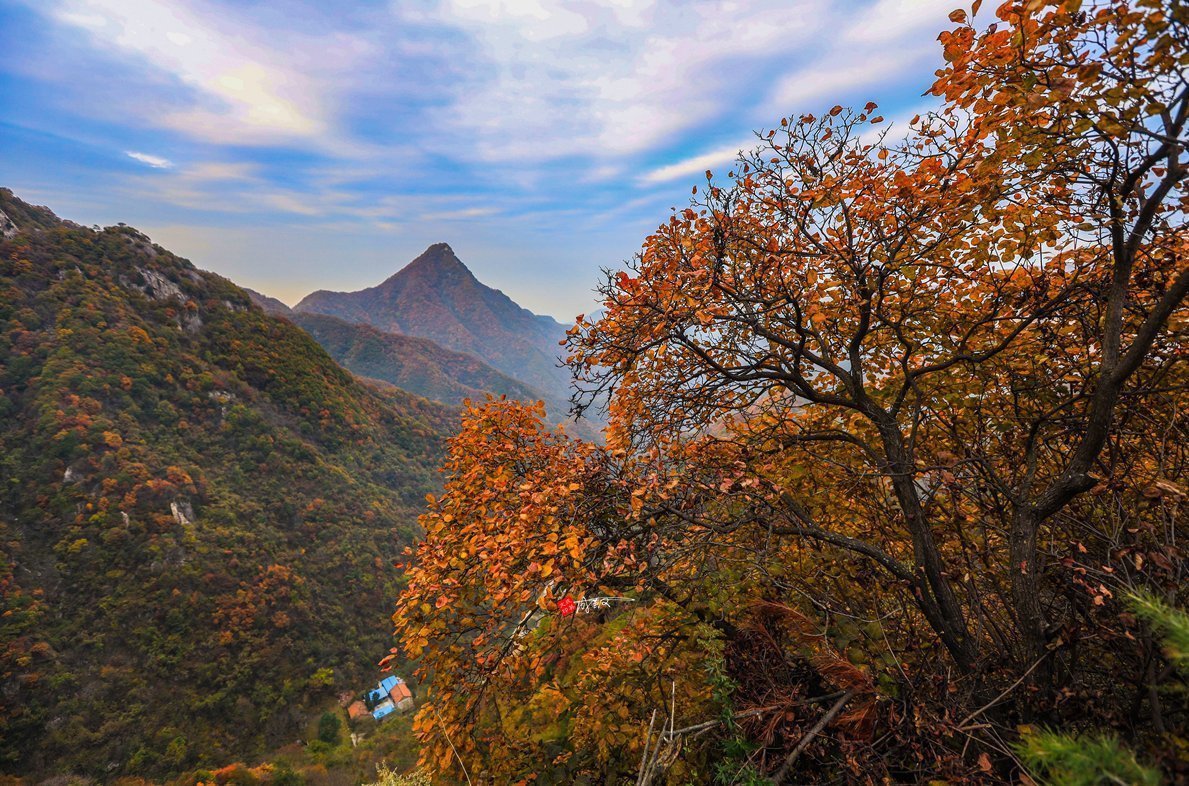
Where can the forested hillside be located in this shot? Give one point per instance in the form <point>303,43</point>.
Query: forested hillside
<point>199,509</point>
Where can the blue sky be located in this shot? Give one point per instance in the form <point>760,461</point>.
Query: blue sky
<point>294,145</point>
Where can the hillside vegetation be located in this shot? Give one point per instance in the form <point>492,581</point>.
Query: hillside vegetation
<point>199,510</point>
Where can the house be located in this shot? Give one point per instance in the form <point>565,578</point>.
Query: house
<point>383,709</point>
<point>402,697</point>
<point>391,695</point>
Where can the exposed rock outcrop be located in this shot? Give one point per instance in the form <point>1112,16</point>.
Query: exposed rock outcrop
<point>7,227</point>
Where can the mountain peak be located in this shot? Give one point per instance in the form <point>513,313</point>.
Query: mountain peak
<point>437,266</point>
<point>437,255</point>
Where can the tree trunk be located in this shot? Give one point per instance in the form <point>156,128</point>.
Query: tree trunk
<point>935,594</point>
<point>1025,588</point>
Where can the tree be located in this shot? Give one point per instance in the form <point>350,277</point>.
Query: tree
<point>895,421</point>
<point>905,300</point>
<point>329,726</point>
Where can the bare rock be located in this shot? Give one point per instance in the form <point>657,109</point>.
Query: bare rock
<point>183,512</point>
<point>7,228</point>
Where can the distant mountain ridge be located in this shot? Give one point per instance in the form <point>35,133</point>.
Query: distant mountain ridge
<point>269,304</point>
<point>417,365</point>
<point>437,297</point>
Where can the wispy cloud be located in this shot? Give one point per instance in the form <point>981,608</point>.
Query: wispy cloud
<point>888,34</point>
<point>244,90</point>
<point>892,20</point>
<point>838,77</point>
<point>694,166</point>
<point>462,214</point>
<point>609,78</point>
<point>243,188</point>
<point>563,125</point>
<point>156,162</point>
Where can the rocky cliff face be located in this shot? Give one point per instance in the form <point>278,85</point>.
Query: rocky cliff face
<point>7,228</point>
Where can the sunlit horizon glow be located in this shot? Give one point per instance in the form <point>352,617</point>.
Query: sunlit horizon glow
<point>294,146</point>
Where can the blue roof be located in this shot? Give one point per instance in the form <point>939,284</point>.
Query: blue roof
<point>383,710</point>
<point>388,683</point>
<point>376,695</point>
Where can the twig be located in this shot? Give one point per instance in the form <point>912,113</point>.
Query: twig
<point>749,713</point>
<point>644,758</point>
<point>783,772</point>
<point>1006,691</point>
<point>672,707</point>
<point>446,734</point>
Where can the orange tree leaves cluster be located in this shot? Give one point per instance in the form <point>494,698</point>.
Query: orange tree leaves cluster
<point>528,517</point>
<point>924,392</point>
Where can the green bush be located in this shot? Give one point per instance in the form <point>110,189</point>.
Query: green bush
<point>1066,760</point>
<point>329,726</point>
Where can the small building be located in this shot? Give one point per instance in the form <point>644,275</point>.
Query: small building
<point>356,710</point>
<point>402,697</point>
<point>388,683</point>
<point>375,696</point>
<point>383,709</point>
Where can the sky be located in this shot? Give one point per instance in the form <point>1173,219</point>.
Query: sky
<point>295,145</point>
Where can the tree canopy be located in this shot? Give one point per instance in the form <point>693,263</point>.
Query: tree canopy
<point>895,421</point>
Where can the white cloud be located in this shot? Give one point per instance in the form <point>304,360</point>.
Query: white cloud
<point>156,162</point>
<point>242,188</point>
<point>515,82</point>
<point>695,166</point>
<point>890,32</point>
<point>300,204</point>
<point>221,171</point>
<point>539,101</point>
<point>535,20</point>
<point>888,20</point>
<point>551,79</point>
<point>246,91</point>
<point>461,214</point>
<point>837,78</point>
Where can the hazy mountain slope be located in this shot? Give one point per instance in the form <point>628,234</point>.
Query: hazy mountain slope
<point>199,509</point>
<point>417,365</point>
<point>269,304</point>
<point>436,297</point>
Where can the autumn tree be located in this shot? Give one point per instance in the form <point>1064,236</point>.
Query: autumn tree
<point>982,296</point>
<point>530,517</point>
<point>909,404</point>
